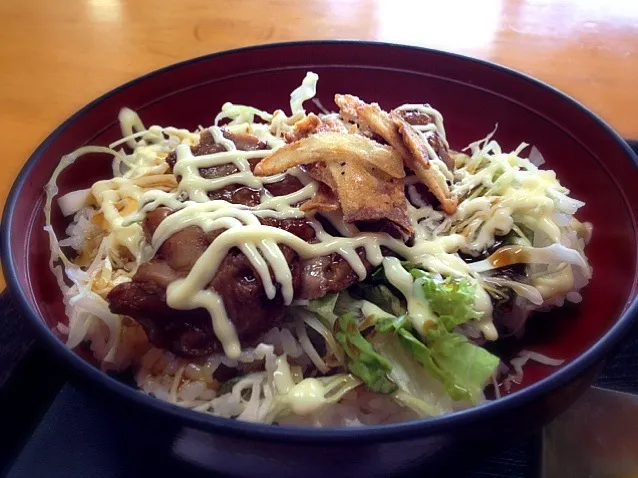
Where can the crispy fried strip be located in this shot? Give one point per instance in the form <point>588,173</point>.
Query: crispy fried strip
<point>416,159</point>
<point>372,117</point>
<point>332,147</point>
<point>368,195</point>
<point>324,201</point>
<point>312,124</point>
<point>418,152</point>
<point>365,176</point>
<point>321,173</point>
<point>304,128</point>
<point>401,136</point>
<point>417,118</point>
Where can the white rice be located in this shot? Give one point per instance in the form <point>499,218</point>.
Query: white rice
<point>356,408</point>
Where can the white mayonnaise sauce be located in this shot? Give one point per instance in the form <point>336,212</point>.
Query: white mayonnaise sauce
<point>483,304</point>
<point>305,397</point>
<point>513,192</point>
<point>418,309</point>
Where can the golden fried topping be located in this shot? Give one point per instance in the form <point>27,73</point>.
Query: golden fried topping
<point>368,194</point>
<point>324,200</point>
<point>312,124</point>
<point>419,118</point>
<point>373,118</point>
<point>333,147</point>
<point>419,163</point>
<point>365,176</point>
<point>403,138</point>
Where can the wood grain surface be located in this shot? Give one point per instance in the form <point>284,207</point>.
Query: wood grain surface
<point>55,56</point>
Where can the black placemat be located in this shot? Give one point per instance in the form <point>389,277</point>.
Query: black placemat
<point>52,428</point>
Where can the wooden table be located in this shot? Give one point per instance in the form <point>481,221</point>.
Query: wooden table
<point>56,56</point>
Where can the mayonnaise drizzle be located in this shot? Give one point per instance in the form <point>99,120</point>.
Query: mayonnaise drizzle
<point>419,311</point>
<point>513,191</point>
<point>309,395</point>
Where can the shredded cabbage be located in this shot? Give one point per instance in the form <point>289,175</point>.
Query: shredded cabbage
<point>333,389</point>
<point>521,359</point>
<point>82,305</point>
<point>527,291</point>
<point>327,335</point>
<point>553,254</point>
<point>311,352</point>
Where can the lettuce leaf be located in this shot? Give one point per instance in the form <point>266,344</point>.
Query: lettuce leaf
<point>381,296</point>
<point>323,308</point>
<point>346,303</point>
<point>452,298</point>
<point>417,389</point>
<point>392,324</point>
<point>460,366</point>
<point>464,366</point>
<point>363,361</point>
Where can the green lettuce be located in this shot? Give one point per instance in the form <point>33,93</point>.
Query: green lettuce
<point>363,361</point>
<point>381,296</point>
<point>392,324</point>
<point>460,366</point>
<point>323,308</point>
<point>417,388</point>
<point>464,366</point>
<point>452,298</point>
<point>331,306</point>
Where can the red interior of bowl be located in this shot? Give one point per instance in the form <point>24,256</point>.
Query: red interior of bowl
<point>472,96</point>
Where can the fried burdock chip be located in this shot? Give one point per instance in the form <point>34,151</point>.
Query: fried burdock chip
<point>399,134</point>
<point>312,125</point>
<point>333,147</point>
<point>324,201</point>
<point>365,176</point>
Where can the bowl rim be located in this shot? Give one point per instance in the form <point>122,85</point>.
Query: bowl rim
<point>231,427</point>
